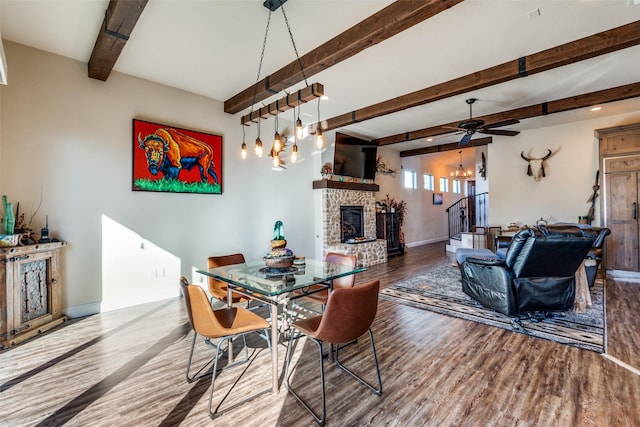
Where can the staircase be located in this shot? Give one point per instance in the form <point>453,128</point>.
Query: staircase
<point>465,217</point>
<point>462,240</point>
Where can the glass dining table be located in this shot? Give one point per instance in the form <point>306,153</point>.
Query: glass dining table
<point>275,287</point>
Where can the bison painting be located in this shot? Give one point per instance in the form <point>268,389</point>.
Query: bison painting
<point>169,151</point>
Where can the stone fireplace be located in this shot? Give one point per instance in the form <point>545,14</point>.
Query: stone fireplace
<point>351,223</point>
<point>336,195</point>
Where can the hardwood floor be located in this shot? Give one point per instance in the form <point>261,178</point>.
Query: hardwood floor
<point>126,368</point>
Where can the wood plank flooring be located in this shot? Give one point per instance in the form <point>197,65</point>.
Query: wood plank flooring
<point>126,368</point>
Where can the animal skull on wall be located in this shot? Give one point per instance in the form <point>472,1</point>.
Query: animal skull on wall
<point>535,167</point>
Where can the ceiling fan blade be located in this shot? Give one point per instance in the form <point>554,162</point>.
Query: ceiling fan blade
<point>501,123</point>
<point>504,132</point>
<point>465,139</point>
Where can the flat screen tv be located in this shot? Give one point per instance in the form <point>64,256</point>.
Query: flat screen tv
<point>354,157</point>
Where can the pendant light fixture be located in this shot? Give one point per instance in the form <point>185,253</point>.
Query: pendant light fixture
<point>290,101</point>
<point>294,149</point>
<point>259,150</point>
<point>243,150</point>
<point>460,173</point>
<point>299,127</point>
<point>318,134</point>
<point>277,140</point>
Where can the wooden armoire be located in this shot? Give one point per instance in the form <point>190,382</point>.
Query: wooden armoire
<point>620,162</point>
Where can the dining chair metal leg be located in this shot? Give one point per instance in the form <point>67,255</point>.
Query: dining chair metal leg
<point>197,375</point>
<point>377,391</point>
<point>213,377</point>
<point>215,365</point>
<point>319,420</point>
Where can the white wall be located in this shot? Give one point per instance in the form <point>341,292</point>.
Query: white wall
<point>389,183</point>
<point>70,137</point>
<point>570,172</point>
<point>426,222</point>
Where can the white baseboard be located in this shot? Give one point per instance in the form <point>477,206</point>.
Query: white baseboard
<point>426,242</point>
<point>82,310</point>
<point>625,275</point>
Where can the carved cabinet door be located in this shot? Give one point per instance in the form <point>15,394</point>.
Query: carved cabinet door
<point>32,298</point>
<point>31,294</point>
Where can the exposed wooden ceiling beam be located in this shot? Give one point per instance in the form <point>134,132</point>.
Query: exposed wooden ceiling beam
<point>578,50</point>
<point>120,18</point>
<point>618,93</point>
<point>380,26</point>
<point>477,142</point>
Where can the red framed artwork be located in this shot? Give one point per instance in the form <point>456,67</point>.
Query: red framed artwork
<point>175,160</point>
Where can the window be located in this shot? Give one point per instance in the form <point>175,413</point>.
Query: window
<point>410,179</point>
<point>444,184</point>
<point>428,181</point>
<point>456,186</point>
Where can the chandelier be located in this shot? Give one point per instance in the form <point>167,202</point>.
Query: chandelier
<point>291,100</point>
<point>460,173</point>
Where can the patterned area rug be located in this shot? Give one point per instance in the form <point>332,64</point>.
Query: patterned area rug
<point>440,290</point>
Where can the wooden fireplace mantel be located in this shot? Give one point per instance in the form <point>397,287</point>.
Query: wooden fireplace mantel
<point>344,185</point>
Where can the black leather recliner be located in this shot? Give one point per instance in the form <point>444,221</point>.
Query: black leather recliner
<point>537,273</point>
<point>593,258</point>
<point>595,255</point>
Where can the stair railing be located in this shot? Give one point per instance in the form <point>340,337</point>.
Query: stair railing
<point>466,213</point>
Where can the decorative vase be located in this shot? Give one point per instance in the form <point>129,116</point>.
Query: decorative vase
<point>9,222</point>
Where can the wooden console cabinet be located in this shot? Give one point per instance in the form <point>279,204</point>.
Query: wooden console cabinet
<point>388,228</point>
<point>30,291</point>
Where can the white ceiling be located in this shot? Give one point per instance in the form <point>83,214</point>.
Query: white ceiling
<point>213,48</point>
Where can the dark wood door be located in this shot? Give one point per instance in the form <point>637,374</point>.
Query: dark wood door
<point>622,220</point>
<point>471,192</point>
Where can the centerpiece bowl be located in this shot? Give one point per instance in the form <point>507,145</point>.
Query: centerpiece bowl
<point>279,261</point>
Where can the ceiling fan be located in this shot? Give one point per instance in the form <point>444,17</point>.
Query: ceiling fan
<point>471,126</point>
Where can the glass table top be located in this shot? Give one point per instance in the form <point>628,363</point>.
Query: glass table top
<point>255,276</point>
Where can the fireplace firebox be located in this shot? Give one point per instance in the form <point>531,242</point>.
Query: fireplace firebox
<point>351,223</point>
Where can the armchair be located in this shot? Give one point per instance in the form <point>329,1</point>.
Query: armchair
<point>537,273</point>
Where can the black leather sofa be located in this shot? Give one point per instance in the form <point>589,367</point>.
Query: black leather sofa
<point>537,273</point>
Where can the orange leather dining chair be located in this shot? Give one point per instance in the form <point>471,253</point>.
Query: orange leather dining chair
<point>321,296</point>
<point>348,315</point>
<point>218,288</point>
<point>222,324</point>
